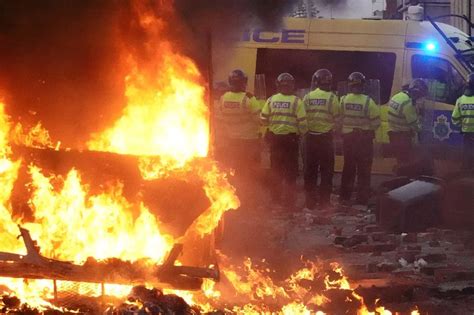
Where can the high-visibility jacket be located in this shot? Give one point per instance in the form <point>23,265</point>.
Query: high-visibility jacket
<point>322,110</point>
<point>239,114</point>
<point>359,111</point>
<point>284,114</point>
<point>402,114</point>
<point>463,113</point>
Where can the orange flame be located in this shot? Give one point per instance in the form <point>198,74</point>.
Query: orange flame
<point>35,137</point>
<point>166,113</point>
<point>71,224</point>
<point>166,116</point>
<point>166,122</point>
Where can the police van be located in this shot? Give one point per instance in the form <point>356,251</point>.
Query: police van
<point>391,52</point>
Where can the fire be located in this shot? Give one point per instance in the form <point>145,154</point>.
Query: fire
<point>166,113</point>
<point>8,176</point>
<point>35,137</point>
<point>166,123</point>
<point>71,224</point>
<point>341,282</point>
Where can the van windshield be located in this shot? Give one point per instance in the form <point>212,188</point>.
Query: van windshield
<point>469,59</point>
<point>462,43</point>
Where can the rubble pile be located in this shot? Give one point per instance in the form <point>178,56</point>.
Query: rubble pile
<point>152,301</point>
<point>431,268</point>
<point>140,301</point>
<point>13,305</point>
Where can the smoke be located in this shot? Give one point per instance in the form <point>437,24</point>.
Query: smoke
<point>60,61</point>
<point>225,19</point>
<point>224,13</point>
<point>345,9</point>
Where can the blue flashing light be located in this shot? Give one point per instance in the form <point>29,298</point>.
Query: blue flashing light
<point>430,46</point>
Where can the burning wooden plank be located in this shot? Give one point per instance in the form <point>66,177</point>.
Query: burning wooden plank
<point>34,266</point>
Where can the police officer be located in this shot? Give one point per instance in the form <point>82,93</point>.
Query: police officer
<point>360,117</point>
<point>239,114</point>
<point>403,120</point>
<point>463,116</point>
<point>322,110</point>
<point>285,116</point>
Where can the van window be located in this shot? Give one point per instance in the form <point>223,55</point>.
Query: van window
<point>444,81</point>
<point>303,63</point>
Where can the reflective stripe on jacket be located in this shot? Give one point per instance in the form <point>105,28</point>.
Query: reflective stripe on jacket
<point>463,113</point>
<point>322,110</point>
<point>402,114</point>
<point>359,111</point>
<point>284,114</point>
<point>239,114</point>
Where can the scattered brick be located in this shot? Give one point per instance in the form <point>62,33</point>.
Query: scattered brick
<point>433,258</point>
<point>386,267</point>
<point>379,237</point>
<point>356,240</point>
<point>414,247</point>
<point>408,255</point>
<point>372,228</point>
<point>339,240</point>
<point>430,269</point>
<point>371,248</point>
<point>425,237</point>
<point>453,274</point>
<point>410,238</point>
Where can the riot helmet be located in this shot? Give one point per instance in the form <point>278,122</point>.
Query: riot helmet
<point>322,79</point>
<point>285,83</point>
<point>238,81</point>
<point>356,82</point>
<point>418,89</point>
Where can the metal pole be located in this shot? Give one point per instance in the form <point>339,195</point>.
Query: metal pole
<point>469,15</point>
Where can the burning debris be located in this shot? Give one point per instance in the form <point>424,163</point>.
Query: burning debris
<point>139,201</point>
<point>154,302</point>
<point>99,232</point>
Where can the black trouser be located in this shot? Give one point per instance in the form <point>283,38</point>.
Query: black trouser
<point>358,157</point>
<point>319,158</point>
<point>284,166</point>
<point>468,151</point>
<point>401,146</point>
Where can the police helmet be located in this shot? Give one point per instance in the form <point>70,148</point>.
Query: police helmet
<point>418,88</point>
<point>322,77</point>
<point>356,82</point>
<point>285,81</point>
<point>237,80</point>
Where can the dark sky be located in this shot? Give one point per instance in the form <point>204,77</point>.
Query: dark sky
<point>61,59</point>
